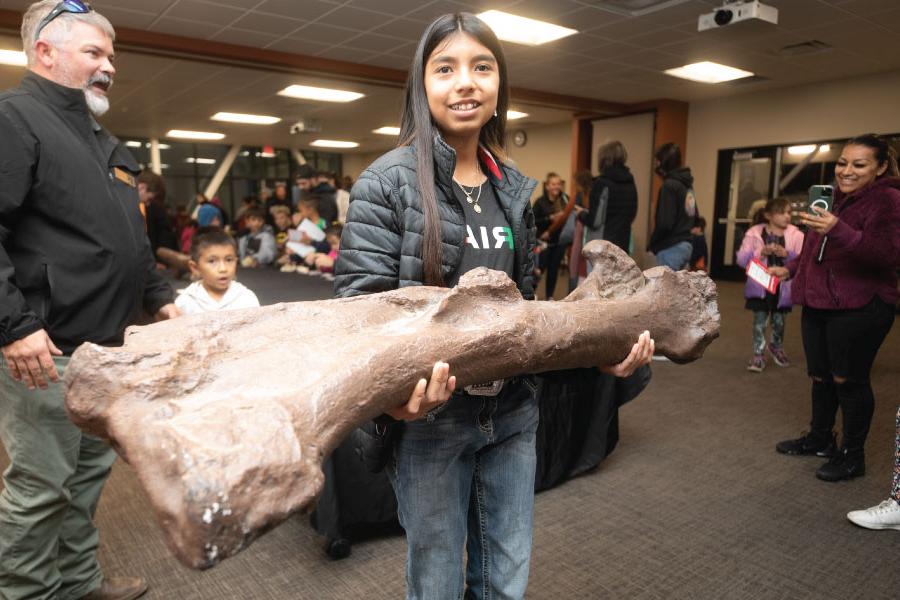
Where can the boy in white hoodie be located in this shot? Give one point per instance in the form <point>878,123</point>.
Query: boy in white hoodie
<point>213,265</point>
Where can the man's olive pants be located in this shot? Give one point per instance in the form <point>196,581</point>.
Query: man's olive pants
<point>48,542</point>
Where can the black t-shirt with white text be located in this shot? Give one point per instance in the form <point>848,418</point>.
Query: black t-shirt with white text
<point>489,238</point>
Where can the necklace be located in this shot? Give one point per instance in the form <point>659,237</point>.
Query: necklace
<point>469,193</point>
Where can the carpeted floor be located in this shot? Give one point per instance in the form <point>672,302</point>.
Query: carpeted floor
<point>694,503</point>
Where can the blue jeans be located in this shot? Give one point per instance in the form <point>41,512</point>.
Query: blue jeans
<point>464,479</point>
<point>675,257</point>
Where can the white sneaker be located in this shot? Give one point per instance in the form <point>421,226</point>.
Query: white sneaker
<point>884,516</point>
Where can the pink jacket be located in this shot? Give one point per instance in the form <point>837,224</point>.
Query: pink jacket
<point>752,246</point>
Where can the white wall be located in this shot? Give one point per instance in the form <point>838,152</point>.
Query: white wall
<point>831,110</point>
<point>549,148</point>
<point>636,134</point>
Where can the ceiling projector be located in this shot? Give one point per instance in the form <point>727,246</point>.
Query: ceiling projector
<point>736,12</point>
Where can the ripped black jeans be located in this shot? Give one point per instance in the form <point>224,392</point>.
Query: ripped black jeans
<point>840,347</point>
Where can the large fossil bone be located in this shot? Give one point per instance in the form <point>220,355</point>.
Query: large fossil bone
<point>226,417</point>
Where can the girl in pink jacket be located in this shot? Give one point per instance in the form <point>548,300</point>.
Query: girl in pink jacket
<point>773,242</point>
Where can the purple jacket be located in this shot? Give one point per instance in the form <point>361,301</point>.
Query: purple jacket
<point>862,254</point>
<point>751,247</point>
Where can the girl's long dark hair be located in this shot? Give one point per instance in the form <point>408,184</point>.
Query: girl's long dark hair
<point>417,127</point>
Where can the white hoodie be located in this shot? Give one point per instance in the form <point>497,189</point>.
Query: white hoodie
<point>195,299</point>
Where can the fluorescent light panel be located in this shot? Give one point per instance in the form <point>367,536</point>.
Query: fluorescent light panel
<point>229,117</point>
<point>200,161</point>
<point>395,131</point>
<point>522,30</point>
<point>708,72</point>
<point>808,149</point>
<point>334,144</point>
<point>13,57</point>
<point>512,115</point>
<point>307,92</point>
<point>194,135</point>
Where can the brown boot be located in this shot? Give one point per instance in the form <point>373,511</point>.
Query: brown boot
<point>119,588</point>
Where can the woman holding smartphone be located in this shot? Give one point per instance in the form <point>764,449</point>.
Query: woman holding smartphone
<point>846,280</point>
<point>463,465</point>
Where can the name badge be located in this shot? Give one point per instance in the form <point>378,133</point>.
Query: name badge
<point>491,388</point>
<point>124,176</point>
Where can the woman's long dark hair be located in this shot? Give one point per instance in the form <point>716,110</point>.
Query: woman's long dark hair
<point>417,127</point>
<point>883,151</point>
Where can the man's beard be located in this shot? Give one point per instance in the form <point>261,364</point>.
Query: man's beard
<point>98,104</point>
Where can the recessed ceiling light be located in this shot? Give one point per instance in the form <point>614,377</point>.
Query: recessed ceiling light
<point>334,144</point>
<point>708,72</point>
<point>512,115</point>
<point>522,30</point>
<point>316,93</point>
<point>163,166</point>
<point>200,161</point>
<point>243,118</point>
<point>13,57</point>
<point>133,144</point>
<point>395,131</point>
<point>808,149</point>
<point>194,135</point>
<point>160,146</point>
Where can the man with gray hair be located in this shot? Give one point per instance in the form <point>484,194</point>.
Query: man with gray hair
<point>75,267</point>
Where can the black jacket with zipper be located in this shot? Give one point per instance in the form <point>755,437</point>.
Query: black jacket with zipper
<point>74,256</point>
<point>381,245</point>
<point>621,203</point>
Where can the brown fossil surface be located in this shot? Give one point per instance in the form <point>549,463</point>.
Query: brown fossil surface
<point>226,417</point>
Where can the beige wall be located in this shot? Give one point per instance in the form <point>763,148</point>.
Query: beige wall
<point>354,164</point>
<point>549,148</point>
<point>837,109</point>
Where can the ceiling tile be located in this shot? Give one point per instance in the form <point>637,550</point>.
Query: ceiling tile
<point>802,14</point>
<point>390,7</point>
<point>377,43</point>
<point>193,29</point>
<point>195,10</point>
<point>433,10</point>
<point>325,34</point>
<point>403,28</point>
<point>128,18</point>
<point>355,18</point>
<point>275,25</point>
<point>150,6</point>
<point>543,10</point>
<point>588,19</point>
<point>307,10</point>
<point>244,37</point>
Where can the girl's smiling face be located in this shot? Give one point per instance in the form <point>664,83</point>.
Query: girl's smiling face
<point>462,83</point>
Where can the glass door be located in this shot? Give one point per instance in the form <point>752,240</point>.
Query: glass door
<point>743,186</point>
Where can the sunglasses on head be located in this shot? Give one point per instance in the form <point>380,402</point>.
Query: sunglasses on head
<point>66,6</point>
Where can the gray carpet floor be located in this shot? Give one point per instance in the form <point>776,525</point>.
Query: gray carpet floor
<point>694,503</point>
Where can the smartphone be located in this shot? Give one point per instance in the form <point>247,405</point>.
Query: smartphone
<point>820,196</point>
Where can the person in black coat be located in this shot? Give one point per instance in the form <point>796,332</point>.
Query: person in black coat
<point>613,199</point>
<point>676,209</point>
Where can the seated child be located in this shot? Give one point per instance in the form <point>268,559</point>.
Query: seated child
<point>282,218</point>
<point>257,248</point>
<point>213,264</point>
<point>324,261</point>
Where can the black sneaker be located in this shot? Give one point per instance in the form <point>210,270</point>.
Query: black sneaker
<point>843,465</point>
<point>808,444</point>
